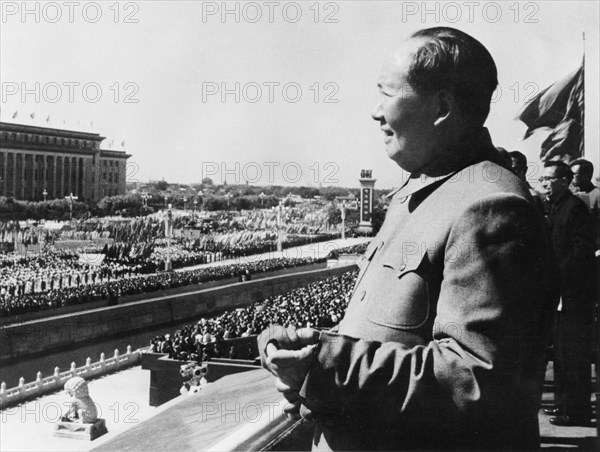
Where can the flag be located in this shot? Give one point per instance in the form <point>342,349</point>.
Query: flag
<point>551,105</point>
<point>32,115</point>
<point>15,114</point>
<point>48,118</point>
<point>565,139</point>
<point>560,107</point>
<point>123,143</point>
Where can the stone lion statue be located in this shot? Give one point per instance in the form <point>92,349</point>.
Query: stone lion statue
<point>82,408</point>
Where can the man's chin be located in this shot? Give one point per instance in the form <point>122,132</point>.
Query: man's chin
<point>402,163</point>
<point>394,158</point>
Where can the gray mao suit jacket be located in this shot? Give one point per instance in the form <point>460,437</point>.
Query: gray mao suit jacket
<point>442,344</point>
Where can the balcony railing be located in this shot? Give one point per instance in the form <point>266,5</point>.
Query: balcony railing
<point>28,391</point>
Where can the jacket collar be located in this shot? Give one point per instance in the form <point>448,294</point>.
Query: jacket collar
<point>475,148</point>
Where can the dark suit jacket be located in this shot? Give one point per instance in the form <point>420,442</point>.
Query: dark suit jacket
<point>442,342</point>
<point>572,233</point>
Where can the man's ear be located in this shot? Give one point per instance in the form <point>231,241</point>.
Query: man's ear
<point>445,105</point>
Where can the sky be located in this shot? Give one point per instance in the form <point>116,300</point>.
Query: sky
<point>268,92</point>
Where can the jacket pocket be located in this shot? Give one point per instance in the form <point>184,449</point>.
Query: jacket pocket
<point>365,262</point>
<point>399,297</point>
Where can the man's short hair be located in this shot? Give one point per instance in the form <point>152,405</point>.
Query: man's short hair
<point>452,60</point>
<point>520,158</point>
<point>562,169</point>
<point>586,167</point>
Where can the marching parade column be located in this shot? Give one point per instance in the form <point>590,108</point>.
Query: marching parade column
<point>367,188</point>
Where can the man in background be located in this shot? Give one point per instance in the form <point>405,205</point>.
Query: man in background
<point>571,231</point>
<point>584,189</point>
<point>519,167</point>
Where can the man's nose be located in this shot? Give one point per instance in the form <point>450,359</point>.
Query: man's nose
<point>377,114</point>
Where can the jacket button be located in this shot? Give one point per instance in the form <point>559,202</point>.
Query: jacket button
<point>402,267</point>
<point>361,297</point>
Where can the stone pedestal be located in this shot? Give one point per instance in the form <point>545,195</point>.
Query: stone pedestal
<point>76,430</point>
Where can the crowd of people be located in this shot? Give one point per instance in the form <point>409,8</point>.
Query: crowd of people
<point>13,304</point>
<point>56,268</point>
<point>87,259</point>
<point>319,305</point>
<point>186,252</point>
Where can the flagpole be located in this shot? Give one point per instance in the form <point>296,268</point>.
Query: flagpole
<point>583,97</point>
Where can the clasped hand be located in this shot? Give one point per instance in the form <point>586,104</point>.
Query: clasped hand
<point>288,354</point>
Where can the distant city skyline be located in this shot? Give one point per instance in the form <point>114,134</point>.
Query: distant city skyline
<point>270,94</point>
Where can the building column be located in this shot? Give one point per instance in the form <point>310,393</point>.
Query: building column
<point>28,186</point>
<point>44,174</point>
<point>56,178</point>
<point>14,175</point>
<point>23,172</point>
<point>50,178</point>
<point>57,175</point>
<point>33,194</point>
<point>73,162</point>
<point>4,157</point>
<point>52,192</point>
<point>96,176</point>
<point>76,175</point>
<point>61,168</point>
<point>61,178</point>
<point>67,176</point>
<point>82,182</point>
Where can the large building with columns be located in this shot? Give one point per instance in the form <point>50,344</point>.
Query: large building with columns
<point>34,160</point>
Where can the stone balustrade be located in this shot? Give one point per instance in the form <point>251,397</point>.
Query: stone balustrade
<point>44,385</point>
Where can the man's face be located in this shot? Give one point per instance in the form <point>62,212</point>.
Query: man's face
<point>579,178</point>
<point>553,186</point>
<point>406,117</point>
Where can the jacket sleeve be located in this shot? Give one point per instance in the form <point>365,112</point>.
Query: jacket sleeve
<point>578,268</point>
<point>486,340</point>
<point>583,235</point>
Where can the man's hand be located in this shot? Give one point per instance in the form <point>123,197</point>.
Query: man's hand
<point>288,354</point>
<point>287,338</point>
<point>290,367</point>
<point>284,338</point>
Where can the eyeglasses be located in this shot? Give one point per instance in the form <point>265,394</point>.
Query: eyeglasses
<point>549,178</point>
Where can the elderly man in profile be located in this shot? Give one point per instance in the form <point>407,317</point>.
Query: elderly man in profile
<point>441,346</point>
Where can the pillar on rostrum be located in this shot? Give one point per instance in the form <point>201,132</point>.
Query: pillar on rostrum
<point>367,189</point>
